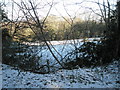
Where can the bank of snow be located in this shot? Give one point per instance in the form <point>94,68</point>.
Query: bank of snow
<point>101,77</point>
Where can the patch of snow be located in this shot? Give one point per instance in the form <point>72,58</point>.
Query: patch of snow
<point>62,42</point>
<point>98,77</point>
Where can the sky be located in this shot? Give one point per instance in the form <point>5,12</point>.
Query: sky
<point>66,8</point>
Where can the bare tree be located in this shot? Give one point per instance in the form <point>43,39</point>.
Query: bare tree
<point>31,11</point>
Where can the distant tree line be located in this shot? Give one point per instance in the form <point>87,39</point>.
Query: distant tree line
<point>58,29</point>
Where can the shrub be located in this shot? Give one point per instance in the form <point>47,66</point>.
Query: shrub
<point>17,54</point>
<point>90,54</point>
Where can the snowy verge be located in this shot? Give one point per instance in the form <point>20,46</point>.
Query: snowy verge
<point>100,77</point>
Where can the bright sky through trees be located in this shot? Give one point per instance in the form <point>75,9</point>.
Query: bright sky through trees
<point>74,8</point>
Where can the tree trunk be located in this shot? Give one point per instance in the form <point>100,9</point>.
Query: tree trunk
<point>118,29</point>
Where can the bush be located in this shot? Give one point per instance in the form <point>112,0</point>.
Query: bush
<point>6,44</point>
<point>21,56</point>
<point>17,54</point>
<point>90,54</point>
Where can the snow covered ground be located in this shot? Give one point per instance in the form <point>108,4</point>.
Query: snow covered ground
<point>100,77</point>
